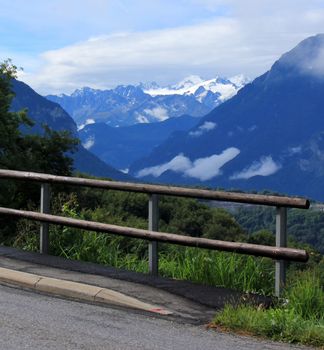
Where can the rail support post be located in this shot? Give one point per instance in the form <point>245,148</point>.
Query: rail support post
<point>44,228</point>
<point>281,241</point>
<point>153,225</point>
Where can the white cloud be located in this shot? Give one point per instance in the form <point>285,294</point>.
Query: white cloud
<point>241,37</point>
<point>207,126</point>
<point>179,164</point>
<point>87,122</point>
<point>89,143</point>
<point>202,168</point>
<point>209,167</point>
<point>316,65</point>
<point>264,167</point>
<point>158,113</point>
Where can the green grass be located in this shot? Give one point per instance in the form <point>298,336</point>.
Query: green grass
<point>215,268</point>
<point>244,273</point>
<point>299,318</point>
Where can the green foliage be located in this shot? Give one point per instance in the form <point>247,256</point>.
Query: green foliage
<point>304,226</point>
<point>305,294</point>
<point>227,270</point>
<point>209,267</point>
<point>262,237</point>
<point>41,153</point>
<point>300,319</point>
<point>46,153</point>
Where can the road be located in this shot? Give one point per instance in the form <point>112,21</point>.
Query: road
<point>34,321</point>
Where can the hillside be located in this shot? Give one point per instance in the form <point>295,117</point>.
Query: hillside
<point>42,111</point>
<point>122,146</point>
<point>269,136</point>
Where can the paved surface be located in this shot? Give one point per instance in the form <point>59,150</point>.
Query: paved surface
<point>187,299</point>
<point>75,290</point>
<point>34,321</point>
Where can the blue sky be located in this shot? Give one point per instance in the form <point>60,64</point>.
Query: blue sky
<point>64,45</point>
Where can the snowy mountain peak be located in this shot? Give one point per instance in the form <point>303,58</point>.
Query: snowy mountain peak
<point>146,103</point>
<point>188,82</point>
<point>224,88</point>
<point>239,80</point>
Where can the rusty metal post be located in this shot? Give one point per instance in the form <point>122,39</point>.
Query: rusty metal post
<point>45,209</point>
<point>281,241</point>
<point>153,225</point>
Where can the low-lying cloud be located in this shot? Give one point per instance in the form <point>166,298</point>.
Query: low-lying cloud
<point>207,126</point>
<point>316,65</point>
<point>89,143</point>
<point>264,167</point>
<point>158,113</point>
<point>202,168</point>
<point>87,122</point>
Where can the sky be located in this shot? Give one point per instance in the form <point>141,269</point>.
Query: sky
<point>65,45</point>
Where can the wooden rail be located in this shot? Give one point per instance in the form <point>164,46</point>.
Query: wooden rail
<point>280,252</point>
<point>281,201</point>
<point>290,254</point>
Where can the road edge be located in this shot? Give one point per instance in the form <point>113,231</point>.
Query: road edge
<point>76,290</point>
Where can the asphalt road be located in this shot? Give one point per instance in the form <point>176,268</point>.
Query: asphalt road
<point>34,321</point>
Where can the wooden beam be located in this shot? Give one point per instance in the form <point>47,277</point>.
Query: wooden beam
<point>279,201</point>
<point>241,248</point>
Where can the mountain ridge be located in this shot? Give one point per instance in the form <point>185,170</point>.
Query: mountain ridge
<point>43,111</point>
<point>270,130</point>
<point>122,146</point>
<point>131,104</point>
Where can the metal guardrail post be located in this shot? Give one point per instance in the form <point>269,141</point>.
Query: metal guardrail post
<point>281,241</point>
<point>153,225</point>
<point>44,228</point>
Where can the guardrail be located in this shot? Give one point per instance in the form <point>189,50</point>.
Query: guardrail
<point>280,253</point>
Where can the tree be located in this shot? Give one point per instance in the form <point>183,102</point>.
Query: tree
<point>42,153</point>
<point>47,153</point>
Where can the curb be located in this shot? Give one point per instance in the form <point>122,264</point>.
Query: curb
<point>76,290</point>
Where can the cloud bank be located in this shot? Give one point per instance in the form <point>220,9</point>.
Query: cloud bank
<point>263,167</point>
<point>233,37</point>
<point>202,168</point>
<point>207,126</point>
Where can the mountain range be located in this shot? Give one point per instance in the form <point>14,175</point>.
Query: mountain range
<point>270,135</point>
<point>146,103</point>
<point>43,111</point>
<point>122,146</point>
<point>265,134</point>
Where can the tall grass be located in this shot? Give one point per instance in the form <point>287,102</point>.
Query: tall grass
<point>218,269</point>
<point>298,318</point>
<point>244,273</point>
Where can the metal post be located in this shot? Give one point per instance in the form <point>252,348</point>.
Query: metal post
<point>153,225</point>
<point>281,241</point>
<point>44,208</point>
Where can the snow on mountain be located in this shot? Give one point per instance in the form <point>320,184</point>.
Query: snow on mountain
<point>148,102</point>
<point>268,136</point>
<point>239,80</point>
<point>226,88</point>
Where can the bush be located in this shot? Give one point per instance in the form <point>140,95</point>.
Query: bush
<point>298,319</point>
